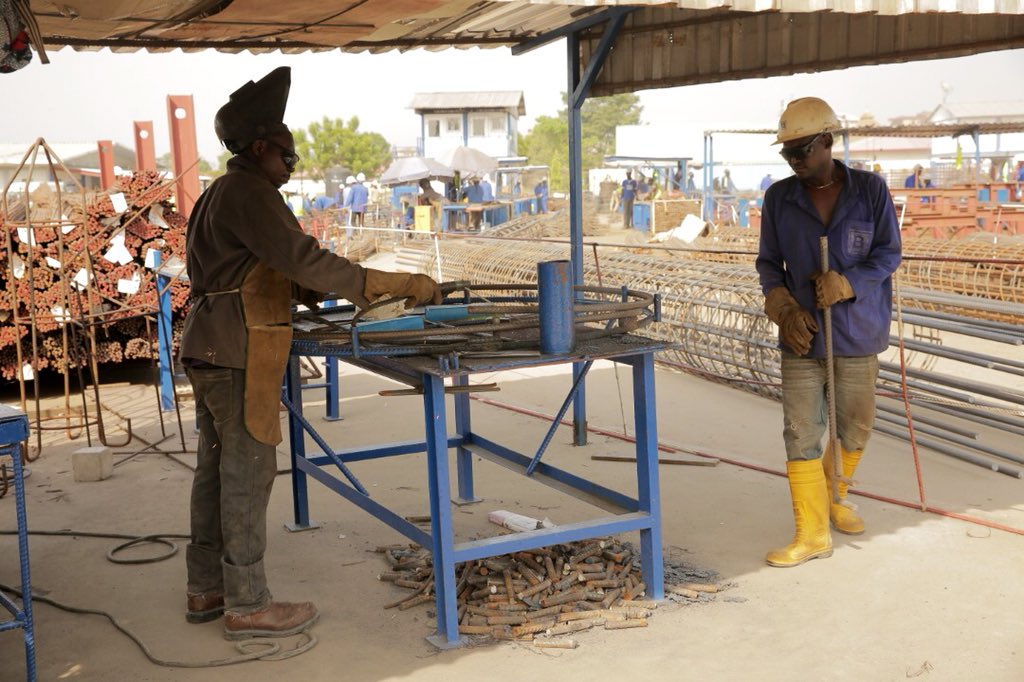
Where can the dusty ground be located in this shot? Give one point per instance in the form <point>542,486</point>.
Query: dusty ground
<point>918,596</point>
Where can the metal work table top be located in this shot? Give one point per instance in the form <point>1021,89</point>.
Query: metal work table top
<point>601,348</point>
<point>13,425</point>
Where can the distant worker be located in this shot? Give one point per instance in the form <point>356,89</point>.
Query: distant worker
<point>358,197</point>
<point>677,177</point>
<point>691,186</point>
<point>855,211</point>
<point>428,196</point>
<point>345,203</point>
<point>629,190</point>
<point>1020,180</point>
<point>728,186</point>
<point>247,258</point>
<point>487,189</point>
<point>474,196</point>
<point>916,179</point>
<point>766,182</point>
<point>540,191</point>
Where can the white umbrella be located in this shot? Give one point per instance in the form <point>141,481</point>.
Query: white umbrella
<point>469,161</point>
<point>413,168</point>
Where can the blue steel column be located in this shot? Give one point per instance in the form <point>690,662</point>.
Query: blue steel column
<point>440,512</point>
<point>709,177</point>
<point>579,406</point>
<point>165,346</point>
<point>463,457</point>
<point>846,147</point>
<point>332,412</point>
<point>648,487</point>
<point>977,154</point>
<point>297,441</point>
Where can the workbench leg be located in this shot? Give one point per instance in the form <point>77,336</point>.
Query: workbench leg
<point>26,582</point>
<point>646,425</point>
<point>447,635</point>
<point>333,411</point>
<point>463,457</point>
<point>297,441</point>
<point>579,406</point>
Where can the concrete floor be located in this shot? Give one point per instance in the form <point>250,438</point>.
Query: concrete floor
<point>918,596</point>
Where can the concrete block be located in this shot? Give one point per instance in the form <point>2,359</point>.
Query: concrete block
<point>92,464</point>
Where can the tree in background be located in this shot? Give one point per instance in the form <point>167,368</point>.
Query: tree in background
<point>333,142</point>
<point>547,141</point>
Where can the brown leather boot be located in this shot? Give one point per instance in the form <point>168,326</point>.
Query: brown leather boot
<point>279,619</point>
<point>202,608</point>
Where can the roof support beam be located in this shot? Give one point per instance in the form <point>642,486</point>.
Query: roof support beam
<point>578,88</point>
<point>587,22</point>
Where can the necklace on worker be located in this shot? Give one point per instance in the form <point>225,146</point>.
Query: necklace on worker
<point>827,184</point>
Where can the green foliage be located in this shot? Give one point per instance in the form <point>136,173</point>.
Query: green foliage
<point>333,142</point>
<point>548,142</point>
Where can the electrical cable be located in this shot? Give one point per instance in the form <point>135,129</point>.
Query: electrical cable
<point>256,649</point>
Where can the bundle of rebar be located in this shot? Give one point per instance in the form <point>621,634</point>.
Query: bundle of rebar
<point>539,595</point>
<point>83,262</point>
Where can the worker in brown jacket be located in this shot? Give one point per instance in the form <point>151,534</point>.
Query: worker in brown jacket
<point>247,260</point>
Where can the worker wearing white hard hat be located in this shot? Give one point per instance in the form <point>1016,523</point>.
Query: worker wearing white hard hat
<point>357,200</point>
<point>345,194</point>
<point>853,209</point>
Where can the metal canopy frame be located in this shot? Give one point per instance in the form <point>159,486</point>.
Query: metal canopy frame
<point>580,82</point>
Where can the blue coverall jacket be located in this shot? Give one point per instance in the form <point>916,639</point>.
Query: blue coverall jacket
<point>864,246</point>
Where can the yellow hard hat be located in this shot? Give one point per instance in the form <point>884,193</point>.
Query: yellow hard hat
<point>805,117</point>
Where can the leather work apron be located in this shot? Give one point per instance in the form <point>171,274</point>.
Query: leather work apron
<point>266,304</point>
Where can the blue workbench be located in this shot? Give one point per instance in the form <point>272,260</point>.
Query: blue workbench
<point>428,374</point>
<point>13,431</point>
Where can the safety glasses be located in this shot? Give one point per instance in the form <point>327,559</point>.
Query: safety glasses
<point>290,158</point>
<point>799,153</point>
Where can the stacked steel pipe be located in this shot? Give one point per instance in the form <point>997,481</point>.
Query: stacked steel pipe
<point>713,311</point>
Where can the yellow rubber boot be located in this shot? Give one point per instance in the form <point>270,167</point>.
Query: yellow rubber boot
<point>810,510</point>
<point>843,515</point>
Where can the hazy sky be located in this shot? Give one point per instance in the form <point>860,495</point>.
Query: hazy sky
<point>85,96</point>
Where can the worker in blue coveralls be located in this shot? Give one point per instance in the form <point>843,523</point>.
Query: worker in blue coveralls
<point>629,190</point>
<point>487,189</point>
<point>854,210</point>
<point>541,192</point>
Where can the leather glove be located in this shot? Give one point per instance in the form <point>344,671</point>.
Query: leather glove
<point>415,289</point>
<point>796,326</point>
<point>830,288</point>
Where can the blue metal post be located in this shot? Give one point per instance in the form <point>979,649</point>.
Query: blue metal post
<point>447,634</point>
<point>977,154</point>
<point>297,441</point>
<point>709,177</point>
<point>579,87</point>
<point>332,412</point>
<point>463,457</point>
<point>846,147</point>
<point>165,343</point>
<point>648,486</point>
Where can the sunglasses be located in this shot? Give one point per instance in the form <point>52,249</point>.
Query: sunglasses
<point>799,153</point>
<point>290,158</point>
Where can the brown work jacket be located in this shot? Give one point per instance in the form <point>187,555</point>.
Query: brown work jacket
<point>239,221</point>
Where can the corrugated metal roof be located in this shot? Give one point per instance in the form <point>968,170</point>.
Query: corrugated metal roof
<point>968,112</point>
<point>661,45</point>
<point>507,100</point>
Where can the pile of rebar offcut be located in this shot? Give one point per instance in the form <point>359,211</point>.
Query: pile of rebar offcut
<point>540,595</point>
